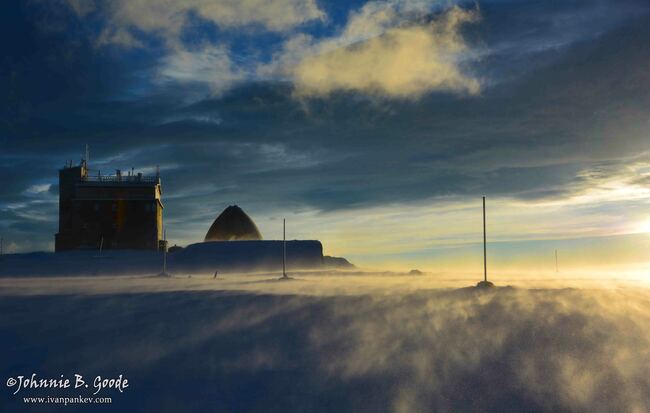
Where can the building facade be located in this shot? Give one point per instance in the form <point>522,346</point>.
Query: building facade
<point>121,211</point>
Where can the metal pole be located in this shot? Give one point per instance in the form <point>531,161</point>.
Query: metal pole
<point>284,248</point>
<point>165,251</point>
<point>484,245</point>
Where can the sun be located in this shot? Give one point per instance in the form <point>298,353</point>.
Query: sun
<point>644,227</point>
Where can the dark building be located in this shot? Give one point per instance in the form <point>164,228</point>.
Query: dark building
<point>121,211</point>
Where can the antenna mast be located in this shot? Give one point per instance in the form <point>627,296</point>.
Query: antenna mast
<point>284,248</point>
<point>485,283</point>
<point>484,246</point>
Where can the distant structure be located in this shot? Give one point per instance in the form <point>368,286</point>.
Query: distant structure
<point>233,225</point>
<point>121,211</point>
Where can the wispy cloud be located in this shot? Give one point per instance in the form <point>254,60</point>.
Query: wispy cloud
<point>131,23</point>
<point>37,189</point>
<point>167,18</point>
<point>210,65</point>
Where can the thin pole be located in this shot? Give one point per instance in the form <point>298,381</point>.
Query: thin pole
<point>484,245</point>
<point>556,268</point>
<point>284,248</point>
<point>165,251</point>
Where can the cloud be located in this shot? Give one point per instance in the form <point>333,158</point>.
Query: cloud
<point>380,52</point>
<point>168,18</point>
<point>82,7</point>
<point>38,189</point>
<point>135,23</point>
<point>118,36</point>
<point>209,65</point>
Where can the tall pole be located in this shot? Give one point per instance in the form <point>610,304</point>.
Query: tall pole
<point>165,251</point>
<point>484,245</point>
<point>284,248</point>
<point>556,268</point>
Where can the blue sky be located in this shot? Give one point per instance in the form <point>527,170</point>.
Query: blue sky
<point>374,126</point>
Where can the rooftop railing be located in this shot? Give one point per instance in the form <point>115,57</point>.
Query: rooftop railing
<point>122,179</point>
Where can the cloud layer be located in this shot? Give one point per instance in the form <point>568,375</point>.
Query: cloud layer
<point>388,48</point>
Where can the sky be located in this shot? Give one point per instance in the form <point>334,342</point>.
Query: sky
<point>373,126</point>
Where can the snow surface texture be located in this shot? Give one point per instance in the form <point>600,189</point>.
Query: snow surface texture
<point>351,343</point>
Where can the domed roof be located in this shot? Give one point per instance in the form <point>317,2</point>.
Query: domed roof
<point>232,225</point>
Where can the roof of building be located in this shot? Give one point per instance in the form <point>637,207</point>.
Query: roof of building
<point>233,225</point>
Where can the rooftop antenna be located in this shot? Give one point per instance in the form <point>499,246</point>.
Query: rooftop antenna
<point>485,283</point>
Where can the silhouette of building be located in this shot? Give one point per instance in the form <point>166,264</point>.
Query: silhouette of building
<point>121,211</point>
<point>233,224</point>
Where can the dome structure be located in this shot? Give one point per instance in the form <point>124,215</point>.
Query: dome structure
<point>233,225</point>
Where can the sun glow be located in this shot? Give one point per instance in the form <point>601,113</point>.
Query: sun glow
<point>644,226</point>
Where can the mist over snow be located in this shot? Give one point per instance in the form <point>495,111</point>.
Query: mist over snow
<point>354,343</point>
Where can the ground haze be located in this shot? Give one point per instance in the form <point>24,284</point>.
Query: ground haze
<point>357,342</point>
